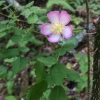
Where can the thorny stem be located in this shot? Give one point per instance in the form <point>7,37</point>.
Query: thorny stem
<point>88,38</point>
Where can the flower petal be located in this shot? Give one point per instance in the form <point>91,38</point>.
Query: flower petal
<point>53,16</point>
<point>46,29</point>
<point>64,18</point>
<point>54,38</point>
<point>67,32</point>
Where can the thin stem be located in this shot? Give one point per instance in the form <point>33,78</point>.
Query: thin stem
<point>88,38</point>
<point>19,20</point>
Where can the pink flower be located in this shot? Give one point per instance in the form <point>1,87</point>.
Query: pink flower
<point>57,29</point>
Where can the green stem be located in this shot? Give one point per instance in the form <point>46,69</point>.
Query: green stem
<point>88,38</point>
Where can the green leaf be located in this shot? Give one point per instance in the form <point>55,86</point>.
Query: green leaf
<point>10,52</point>
<point>65,48</point>
<point>77,20</point>
<point>29,4</point>
<point>64,4</point>
<point>36,91</point>
<point>16,38</point>
<point>26,12</point>
<point>3,29</point>
<point>49,61</point>
<point>32,19</point>
<point>19,64</point>
<point>27,37</point>
<point>57,74</point>
<point>9,86</point>
<point>10,98</point>
<point>1,2</point>
<point>46,94</point>
<point>73,40</point>
<point>44,18</point>
<point>24,49</point>
<point>10,60</point>
<point>38,11</point>
<point>10,43</point>
<point>4,22</point>
<point>3,72</point>
<point>36,41</point>
<point>84,67</point>
<point>40,55</point>
<point>6,7</point>
<point>72,75</point>
<point>82,83</point>
<point>40,72</point>
<point>10,75</point>
<point>23,43</point>
<point>2,34</point>
<point>58,93</point>
<point>83,62</point>
<point>78,2</point>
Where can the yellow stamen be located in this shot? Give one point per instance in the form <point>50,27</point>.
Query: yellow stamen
<point>57,28</point>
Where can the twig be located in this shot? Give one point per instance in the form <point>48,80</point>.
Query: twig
<point>88,38</point>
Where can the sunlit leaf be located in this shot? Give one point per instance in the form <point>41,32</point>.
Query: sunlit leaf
<point>10,98</point>
<point>48,61</point>
<point>32,19</point>
<point>2,34</point>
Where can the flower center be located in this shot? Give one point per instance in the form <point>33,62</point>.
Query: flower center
<point>57,28</point>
